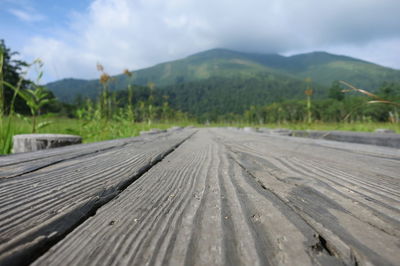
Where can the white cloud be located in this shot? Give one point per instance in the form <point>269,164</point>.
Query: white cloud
<point>137,34</point>
<point>384,51</point>
<point>61,60</point>
<point>25,15</point>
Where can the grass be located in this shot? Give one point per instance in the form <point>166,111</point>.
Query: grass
<point>89,131</point>
<point>112,129</point>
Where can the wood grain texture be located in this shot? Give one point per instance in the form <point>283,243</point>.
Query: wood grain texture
<point>196,207</point>
<point>39,207</point>
<point>349,195</point>
<point>18,164</point>
<point>223,197</point>
<point>35,142</point>
<point>380,139</point>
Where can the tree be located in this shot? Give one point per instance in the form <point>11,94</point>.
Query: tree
<point>11,73</point>
<point>389,91</point>
<point>335,91</point>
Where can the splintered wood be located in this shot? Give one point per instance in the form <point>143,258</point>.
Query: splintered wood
<point>202,197</point>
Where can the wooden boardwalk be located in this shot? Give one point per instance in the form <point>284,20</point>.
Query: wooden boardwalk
<point>202,197</point>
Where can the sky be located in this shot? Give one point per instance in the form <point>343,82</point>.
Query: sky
<point>71,37</point>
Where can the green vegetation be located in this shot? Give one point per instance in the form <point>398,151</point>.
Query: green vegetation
<point>338,107</point>
<point>215,98</point>
<point>35,96</point>
<point>9,75</point>
<point>214,88</point>
<point>107,117</point>
<point>355,126</point>
<point>90,132</point>
<point>223,65</point>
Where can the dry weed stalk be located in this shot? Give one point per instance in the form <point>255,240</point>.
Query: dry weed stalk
<point>376,97</point>
<point>104,101</point>
<point>131,112</point>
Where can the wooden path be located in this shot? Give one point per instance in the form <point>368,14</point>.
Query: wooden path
<point>202,197</point>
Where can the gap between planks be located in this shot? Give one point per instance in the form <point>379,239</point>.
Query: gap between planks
<point>197,208</point>
<point>45,241</point>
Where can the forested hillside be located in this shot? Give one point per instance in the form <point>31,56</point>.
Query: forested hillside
<point>220,96</point>
<point>223,65</point>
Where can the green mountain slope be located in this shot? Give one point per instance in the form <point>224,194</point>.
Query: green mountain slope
<point>215,96</point>
<point>324,68</point>
<point>225,64</point>
<point>67,90</point>
<point>220,63</point>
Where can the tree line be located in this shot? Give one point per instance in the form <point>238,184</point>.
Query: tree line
<point>338,106</point>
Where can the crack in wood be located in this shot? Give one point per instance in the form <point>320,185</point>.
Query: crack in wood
<point>321,245</point>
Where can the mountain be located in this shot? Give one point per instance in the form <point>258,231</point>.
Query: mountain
<point>67,90</point>
<point>324,68</point>
<point>224,65</point>
<point>207,99</point>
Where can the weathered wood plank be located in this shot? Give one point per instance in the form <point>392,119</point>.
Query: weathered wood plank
<point>224,197</point>
<point>380,139</point>
<point>18,164</point>
<point>349,195</point>
<point>36,142</point>
<point>23,157</point>
<point>196,207</point>
<point>38,208</point>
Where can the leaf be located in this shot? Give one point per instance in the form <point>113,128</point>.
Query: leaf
<point>40,75</point>
<point>44,124</point>
<point>8,85</point>
<point>24,94</point>
<point>43,102</point>
<point>24,118</point>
